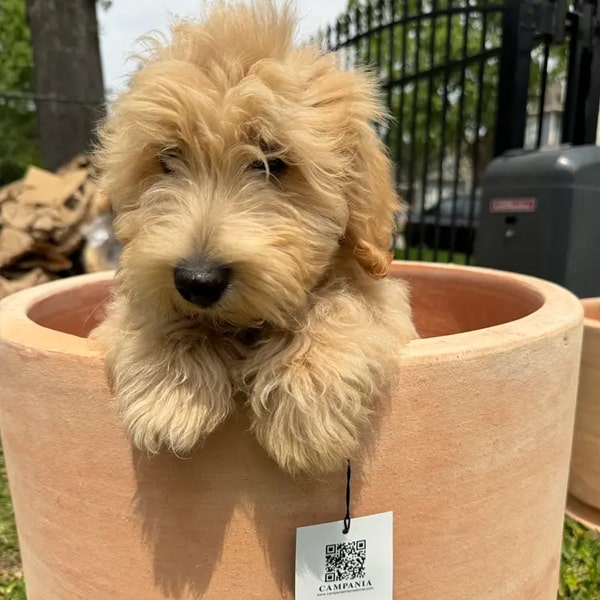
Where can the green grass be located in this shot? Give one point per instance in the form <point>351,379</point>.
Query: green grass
<point>580,566</point>
<point>12,586</point>
<point>579,572</point>
<point>428,255</point>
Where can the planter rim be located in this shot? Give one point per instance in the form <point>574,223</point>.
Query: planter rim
<point>591,322</point>
<point>560,309</point>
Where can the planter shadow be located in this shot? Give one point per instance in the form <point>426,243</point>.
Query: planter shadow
<point>471,453</point>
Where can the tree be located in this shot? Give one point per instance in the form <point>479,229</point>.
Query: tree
<point>68,76</point>
<point>18,137</point>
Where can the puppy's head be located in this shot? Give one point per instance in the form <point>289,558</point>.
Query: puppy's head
<point>241,170</point>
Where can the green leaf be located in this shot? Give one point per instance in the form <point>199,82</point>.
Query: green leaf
<point>18,133</point>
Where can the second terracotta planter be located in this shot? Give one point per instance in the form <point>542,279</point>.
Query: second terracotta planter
<point>472,457</point>
<point>584,484</point>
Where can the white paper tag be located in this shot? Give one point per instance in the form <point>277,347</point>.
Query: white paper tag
<point>359,563</point>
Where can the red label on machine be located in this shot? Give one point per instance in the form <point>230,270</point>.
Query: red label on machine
<point>511,205</point>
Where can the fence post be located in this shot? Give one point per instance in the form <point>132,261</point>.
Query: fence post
<point>518,30</point>
<point>580,117</point>
<point>593,102</point>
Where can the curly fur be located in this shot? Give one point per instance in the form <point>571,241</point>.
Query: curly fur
<point>304,335</point>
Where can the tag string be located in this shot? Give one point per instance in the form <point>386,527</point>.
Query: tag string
<point>347,517</point>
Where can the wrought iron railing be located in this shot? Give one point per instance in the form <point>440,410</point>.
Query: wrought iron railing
<point>464,81</point>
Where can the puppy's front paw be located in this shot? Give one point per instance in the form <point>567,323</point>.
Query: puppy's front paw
<point>170,395</point>
<point>309,419</point>
<point>172,416</point>
<point>312,390</point>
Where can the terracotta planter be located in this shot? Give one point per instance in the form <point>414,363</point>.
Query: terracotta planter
<point>584,484</point>
<point>472,457</point>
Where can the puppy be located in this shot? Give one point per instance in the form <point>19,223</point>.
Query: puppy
<point>255,204</point>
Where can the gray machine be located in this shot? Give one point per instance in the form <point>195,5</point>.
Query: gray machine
<point>540,215</point>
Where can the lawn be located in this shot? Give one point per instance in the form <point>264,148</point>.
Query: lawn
<point>429,255</point>
<point>579,576</point>
<point>11,577</point>
<point>580,567</point>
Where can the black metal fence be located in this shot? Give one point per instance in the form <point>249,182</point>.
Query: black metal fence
<point>466,80</point>
<point>549,89</point>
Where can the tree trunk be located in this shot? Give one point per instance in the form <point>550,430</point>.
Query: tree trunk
<point>68,76</point>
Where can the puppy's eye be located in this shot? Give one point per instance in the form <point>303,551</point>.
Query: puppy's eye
<point>276,166</point>
<point>167,158</point>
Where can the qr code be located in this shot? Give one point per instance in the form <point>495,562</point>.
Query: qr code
<point>345,561</point>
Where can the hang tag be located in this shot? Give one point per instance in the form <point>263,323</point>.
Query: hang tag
<point>359,563</point>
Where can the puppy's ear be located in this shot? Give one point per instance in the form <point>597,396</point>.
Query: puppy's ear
<point>371,192</point>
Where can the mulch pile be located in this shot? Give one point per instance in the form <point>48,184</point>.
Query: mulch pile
<point>43,219</point>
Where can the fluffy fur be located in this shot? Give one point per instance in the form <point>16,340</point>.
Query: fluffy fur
<point>304,335</point>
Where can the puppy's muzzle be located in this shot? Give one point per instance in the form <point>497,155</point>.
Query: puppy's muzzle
<point>201,282</point>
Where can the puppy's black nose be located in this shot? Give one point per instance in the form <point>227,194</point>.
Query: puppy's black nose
<point>201,283</point>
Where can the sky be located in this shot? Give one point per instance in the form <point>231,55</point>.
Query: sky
<point>127,20</point>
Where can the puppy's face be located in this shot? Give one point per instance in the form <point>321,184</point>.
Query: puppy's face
<point>240,170</point>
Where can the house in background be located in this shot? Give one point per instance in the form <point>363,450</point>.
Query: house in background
<point>552,119</point>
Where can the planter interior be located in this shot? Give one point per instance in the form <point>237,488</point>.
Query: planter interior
<point>471,454</point>
<point>591,307</point>
<point>75,313</point>
<point>441,306</point>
